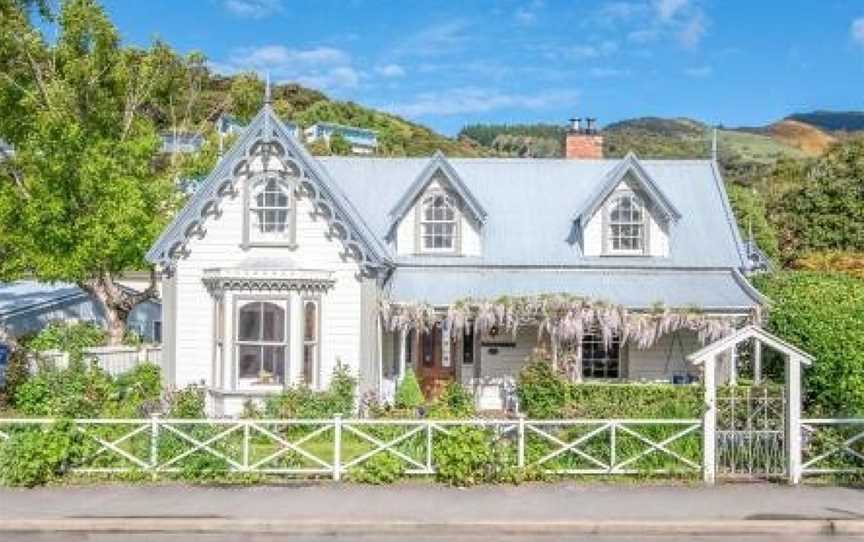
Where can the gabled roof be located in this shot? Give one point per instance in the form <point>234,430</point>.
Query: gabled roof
<point>529,204</point>
<point>437,163</point>
<point>745,334</point>
<point>629,164</point>
<point>221,181</point>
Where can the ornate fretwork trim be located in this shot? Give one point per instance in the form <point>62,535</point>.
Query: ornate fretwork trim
<point>312,281</point>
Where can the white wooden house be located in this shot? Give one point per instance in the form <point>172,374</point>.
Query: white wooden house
<point>277,268</point>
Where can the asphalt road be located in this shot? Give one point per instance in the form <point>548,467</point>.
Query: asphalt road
<point>268,538</point>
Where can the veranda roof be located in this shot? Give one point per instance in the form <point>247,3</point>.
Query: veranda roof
<point>720,290</point>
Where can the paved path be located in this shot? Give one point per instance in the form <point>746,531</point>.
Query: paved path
<point>434,503</point>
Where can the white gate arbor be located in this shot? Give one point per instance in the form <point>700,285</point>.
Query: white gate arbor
<point>794,358</point>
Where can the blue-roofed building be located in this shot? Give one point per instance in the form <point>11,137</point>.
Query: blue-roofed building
<point>26,306</point>
<point>181,142</point>
<point>362,141</point>
<point>283,265</point>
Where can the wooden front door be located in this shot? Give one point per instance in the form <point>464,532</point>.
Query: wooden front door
<point>435,369</point>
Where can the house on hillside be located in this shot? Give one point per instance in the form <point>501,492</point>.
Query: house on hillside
<point>283,265</point>
<point>362,141</point>
<point>181,142</point>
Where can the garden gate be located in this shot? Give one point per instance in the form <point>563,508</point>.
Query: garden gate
<point>745,434</point>
<point>750,432</point>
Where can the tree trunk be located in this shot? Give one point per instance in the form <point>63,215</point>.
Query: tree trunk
<point>117,302</point>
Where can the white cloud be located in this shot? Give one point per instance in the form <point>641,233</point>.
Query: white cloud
<point>667,9</point>
<point>608,73</point>
<point>858,30</point>
<point>254,9</point>
<point>699,71</point>
<point>527,15</point>
<point>390,70</point>
<point>470,100</point>
<point>434,40</point>
<point>319,67</point>
<point>692,31</point>
<point>584,51</point>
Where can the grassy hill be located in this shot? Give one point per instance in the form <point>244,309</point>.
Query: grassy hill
<point>242,96</point>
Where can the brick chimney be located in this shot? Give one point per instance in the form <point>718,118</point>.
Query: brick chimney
<point>583,141</point>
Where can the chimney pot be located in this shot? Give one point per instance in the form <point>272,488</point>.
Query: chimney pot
<point>583,140</point>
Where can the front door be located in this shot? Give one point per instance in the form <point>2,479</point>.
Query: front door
<point>435,364</point>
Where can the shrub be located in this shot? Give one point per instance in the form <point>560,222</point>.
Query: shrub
<point>68,337</point>
<point>464,457</point>
<point>545,394</point>
<point>17,371</point>
<point>823,314</point>
<point>37,456</point>
<point>80,391</point>
<point>382,468</point>
<point>454,402</point>
<point>302,402</point>
<point>408,394</point>
<point>187,403</point>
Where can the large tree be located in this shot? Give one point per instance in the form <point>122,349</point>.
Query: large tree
<point>81,198</point>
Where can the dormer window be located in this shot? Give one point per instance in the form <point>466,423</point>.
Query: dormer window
<point>271,212</point>
<point>439,229</point>
<point>626,225</point>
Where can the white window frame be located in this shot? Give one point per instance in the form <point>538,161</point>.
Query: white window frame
<point>283,303</point>
<point>252,234</point>
<point>608,225</point>
<point>426,201</point>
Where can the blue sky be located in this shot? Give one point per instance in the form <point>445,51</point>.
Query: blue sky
<point>449,63</point>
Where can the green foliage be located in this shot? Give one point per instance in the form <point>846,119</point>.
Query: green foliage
<point>339,145</point>
<point>454,402</point>
<point>408,393</point>
<point>67,337</point>
<point>823,314</point>
<point>85,391</point>
<point>825,208</point>
<point>302,402</point>
<point>752,215</point>
<point>381,468</point>
<point>36,456</point>
<point>486,134</point>
<point>464,457</point>
<point>187,403</point>
<point>545,394</point>
<point>17,372</point>
<point>80,391</point>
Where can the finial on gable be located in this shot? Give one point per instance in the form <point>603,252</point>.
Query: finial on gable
<point>268,99</point>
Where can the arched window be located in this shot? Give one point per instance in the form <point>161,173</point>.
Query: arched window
<point>261,343</point>
<point>438,224</point>
<point>626,234</point>
<point>270,207</point>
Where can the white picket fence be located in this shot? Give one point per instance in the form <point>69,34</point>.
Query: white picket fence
<point>332,447</point>
<point>113,359</point>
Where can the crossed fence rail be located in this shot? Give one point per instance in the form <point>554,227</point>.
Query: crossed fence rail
<point>332,447</point>
<point>832,446</point>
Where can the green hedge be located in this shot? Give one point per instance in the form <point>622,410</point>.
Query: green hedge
<point>823,314</point>
<point>544,394</point>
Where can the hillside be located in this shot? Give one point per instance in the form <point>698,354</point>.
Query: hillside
<point>805,137</point>
<point>832,121</point>
<point>242,96</point>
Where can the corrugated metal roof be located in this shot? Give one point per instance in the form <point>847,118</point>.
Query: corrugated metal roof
<point>530,205</point>
<point>635,288</point>
<point>27,295</point>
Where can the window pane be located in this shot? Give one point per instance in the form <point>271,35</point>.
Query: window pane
<point>273,363</point>
<point>311,321</point>
<point>249,361</point>
<point>274,323</point>
<point>249,322</point>
<point>309,354</point>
